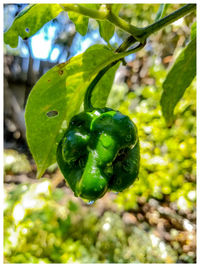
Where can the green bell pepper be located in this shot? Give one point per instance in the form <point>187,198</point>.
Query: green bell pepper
<point>99,152</point>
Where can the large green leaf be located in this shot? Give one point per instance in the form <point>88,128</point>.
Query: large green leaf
<point>29,21</point>
<point>178,79</point>
<point>57,96</point>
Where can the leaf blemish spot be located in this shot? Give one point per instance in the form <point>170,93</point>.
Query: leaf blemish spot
<point>60,72</point>
<point>52,113</point>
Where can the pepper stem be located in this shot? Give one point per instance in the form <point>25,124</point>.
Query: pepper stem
<point>87,101</point>
<point>88,95</point>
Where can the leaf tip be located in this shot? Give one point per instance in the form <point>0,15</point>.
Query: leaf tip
<point>12,42</point>
<point>39,174</point>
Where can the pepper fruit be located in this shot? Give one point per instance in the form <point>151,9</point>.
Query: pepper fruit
<point>99,152</point>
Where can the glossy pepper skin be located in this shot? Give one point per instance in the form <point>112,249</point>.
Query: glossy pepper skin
<point>99,152</point>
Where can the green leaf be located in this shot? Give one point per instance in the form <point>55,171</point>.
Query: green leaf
<point>106,30</point>
<point>29,21</point>
<point>80,21</point>
<point>161,11</point>
<point>178,79</point>
<point>193,30</point>
<point>56,97</point>
<point>103,87</point>
<point>116,8</point>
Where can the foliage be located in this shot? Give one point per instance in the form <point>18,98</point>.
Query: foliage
<point>15,162</point>
<point>168,155</point>
<point>29,21</point>
<point>42,226</point>
<point>173,89</point>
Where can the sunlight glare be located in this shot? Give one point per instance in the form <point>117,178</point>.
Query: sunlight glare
<point>41,46</point>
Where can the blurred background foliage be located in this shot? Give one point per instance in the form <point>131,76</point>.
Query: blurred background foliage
<point>154,221</point>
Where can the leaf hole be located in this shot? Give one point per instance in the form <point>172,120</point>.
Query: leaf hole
<point>27,30</point>
<point>52,113</point>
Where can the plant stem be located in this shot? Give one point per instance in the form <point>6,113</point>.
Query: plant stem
<point>103,14</point>
<point>140,34</point>
<point>124,25</point>
<point>159,24</point>
<point>92,13</point>
<point>87,100</point>
<point>126,44</point>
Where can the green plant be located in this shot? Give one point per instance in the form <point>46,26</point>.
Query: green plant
<point>87,75</point>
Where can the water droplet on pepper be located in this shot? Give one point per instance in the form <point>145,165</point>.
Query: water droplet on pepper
<point>91,202</point>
